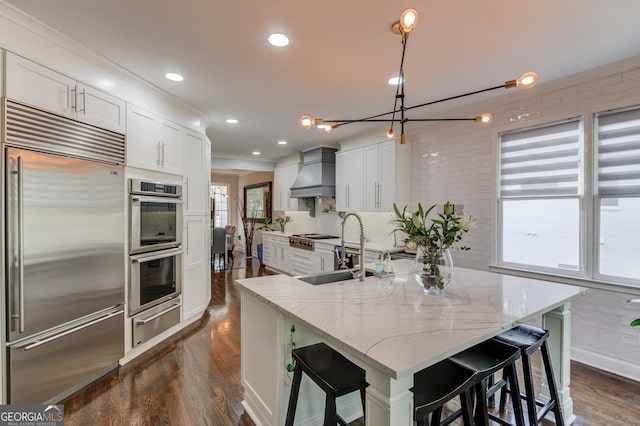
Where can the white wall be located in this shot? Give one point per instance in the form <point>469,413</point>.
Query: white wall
<point>458,162</point>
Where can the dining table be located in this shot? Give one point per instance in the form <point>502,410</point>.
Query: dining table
<point>391,328</point>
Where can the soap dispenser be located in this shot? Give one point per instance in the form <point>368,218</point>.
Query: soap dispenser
<point>379,265</point>
<point>387,264</point>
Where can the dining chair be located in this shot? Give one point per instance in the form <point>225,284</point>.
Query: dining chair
<point>218,246</point>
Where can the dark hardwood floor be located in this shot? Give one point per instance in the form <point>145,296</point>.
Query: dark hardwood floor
<point>194,378</point>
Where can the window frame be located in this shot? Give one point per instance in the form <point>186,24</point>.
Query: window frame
<point>579,196</point>
<point>212,195</point>
<point>588,273</point>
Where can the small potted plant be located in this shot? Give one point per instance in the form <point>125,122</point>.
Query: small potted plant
<point>282,221</point>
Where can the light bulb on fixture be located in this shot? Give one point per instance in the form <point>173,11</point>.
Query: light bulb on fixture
<point>408,20</point>
<point>526,80</point>
<point>485,118</point>
<point>390,134</point>
<point>306,122</point>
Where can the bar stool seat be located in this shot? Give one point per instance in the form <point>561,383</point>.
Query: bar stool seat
<point>332,372</point>
<point>529,339</point>
<point>485,359</point>
<point>438,384</point>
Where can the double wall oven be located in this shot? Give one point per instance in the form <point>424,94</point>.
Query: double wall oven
<point>155,257</point>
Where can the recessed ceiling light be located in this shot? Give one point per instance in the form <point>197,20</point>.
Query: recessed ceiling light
<point>256,152</point>
<point>393,81</point>
<point>174,76</point>
<point>232,121</point>
<point>282,142</point>
<point>278,40</point>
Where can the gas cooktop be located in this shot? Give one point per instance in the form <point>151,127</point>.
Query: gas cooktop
<point>305,241</point>
<point>315,236</point>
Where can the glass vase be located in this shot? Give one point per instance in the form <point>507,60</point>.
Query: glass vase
<point>433,270</point>
<point>282,227</point>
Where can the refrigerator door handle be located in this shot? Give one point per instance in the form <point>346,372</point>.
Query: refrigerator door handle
<point>16,250</point>
<point>105,317</point>
<point>21,242</point>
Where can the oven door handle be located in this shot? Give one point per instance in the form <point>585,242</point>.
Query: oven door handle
<point>148,199</point>
<point>141,258</point>
<point>159,314</point>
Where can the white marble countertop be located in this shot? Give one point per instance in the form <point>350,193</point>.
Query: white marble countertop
<point>394,325</point>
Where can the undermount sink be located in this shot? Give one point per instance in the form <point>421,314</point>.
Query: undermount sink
<point>330,277</point>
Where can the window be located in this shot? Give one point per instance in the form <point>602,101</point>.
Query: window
<point>220,197</point>
<point>540,197</point>
<point>618,193</point>
<point>547,221</point>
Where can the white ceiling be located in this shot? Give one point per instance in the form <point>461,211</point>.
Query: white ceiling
<point>337,64</point>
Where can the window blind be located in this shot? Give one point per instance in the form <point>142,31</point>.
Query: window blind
<point>541,161</point>
<point>618,158</point>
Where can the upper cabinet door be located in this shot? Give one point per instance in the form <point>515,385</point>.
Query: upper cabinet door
<point>283,180</point>
<point>350,180</point>
<point>371,178</point>
<point>195,175</point>
<point>143,149</point>
<point>170,150</point>
<point>388,187</point>
<point>39,86</point>
<point>100,109</point>
<point>46,89</point>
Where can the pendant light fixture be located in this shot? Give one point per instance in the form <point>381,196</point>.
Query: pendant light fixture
<point>403,27</point>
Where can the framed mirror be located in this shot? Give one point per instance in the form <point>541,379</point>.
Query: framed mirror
<point>257,201</point>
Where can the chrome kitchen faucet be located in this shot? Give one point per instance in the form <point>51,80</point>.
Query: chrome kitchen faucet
<point>343,259</point>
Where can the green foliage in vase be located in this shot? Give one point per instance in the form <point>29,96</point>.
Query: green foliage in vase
<point>433,235</point>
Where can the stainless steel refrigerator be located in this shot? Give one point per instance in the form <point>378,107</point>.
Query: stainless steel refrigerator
<point>63,272</point>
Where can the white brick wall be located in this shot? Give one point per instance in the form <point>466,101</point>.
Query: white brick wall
<point>457,163</point>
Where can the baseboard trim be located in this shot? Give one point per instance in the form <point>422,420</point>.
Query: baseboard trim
<point>250,412</point>
<point>603,362</point>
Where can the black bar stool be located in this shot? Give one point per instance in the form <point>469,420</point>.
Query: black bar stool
<point>438,384</point>
<point>332,372</point>
<point>485,359</point>
<point>529,339</point>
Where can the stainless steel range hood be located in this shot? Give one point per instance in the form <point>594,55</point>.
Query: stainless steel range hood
<point>317,177</point>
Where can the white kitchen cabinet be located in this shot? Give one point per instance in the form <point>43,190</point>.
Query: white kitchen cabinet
<point>152,142</point>
<point>196,291</point>
<point>196,175</point>
<point>350,180</point>
<point>282,255</point>
<point>301,262</point>
<point>49,90</point>
<point>267,250</point>
<point>279,251</point>
<point>283,178</point>
<point>381,176</point>
<point>323,258</point>
<point>169,137</point>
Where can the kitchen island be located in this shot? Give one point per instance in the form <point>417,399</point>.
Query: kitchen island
<point>390,328</point>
